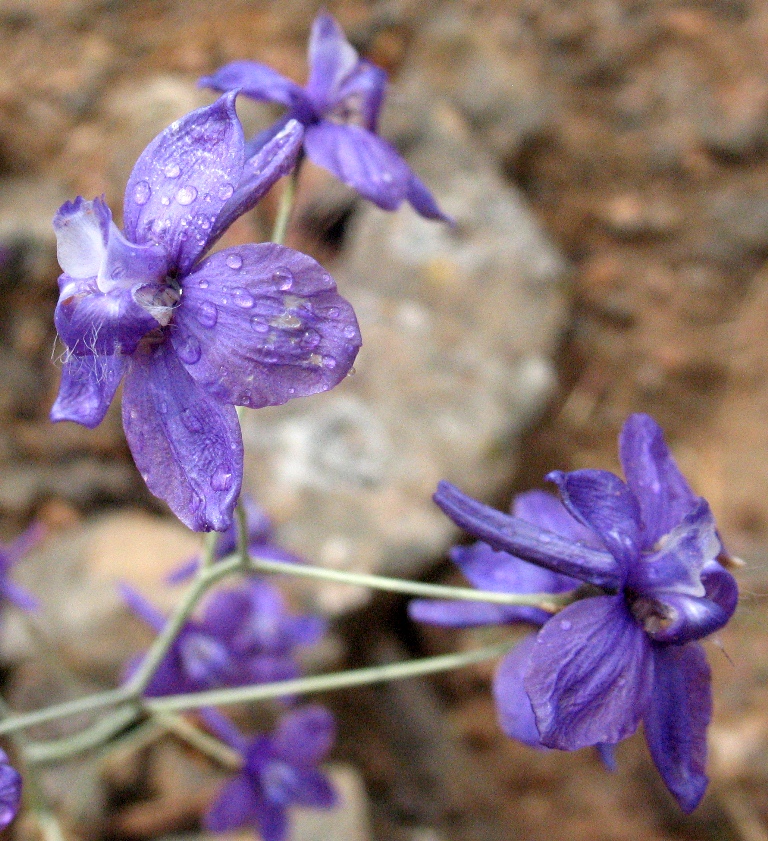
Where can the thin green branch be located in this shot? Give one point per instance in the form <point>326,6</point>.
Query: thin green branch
<point>286,206</point>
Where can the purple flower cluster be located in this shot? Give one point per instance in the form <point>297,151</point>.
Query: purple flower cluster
<point>245,635</point>
<point>339,109</point>
<point>278,771</point>
<point>627,651</point>
<point>254,325</point>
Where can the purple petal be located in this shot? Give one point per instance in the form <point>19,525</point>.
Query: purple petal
<point>258,523</point>
<point>359,97</point>
<point>301,786</point>
<point>459,614</point>
<point>183,179</point>
<point>591,674</point>
<point>143,608</point>
<point>10,791</point>
<point>236,806</point>
<point>226,611</point>
<point>18,595</point>
<point>183,572</point>
<point>512,703</point>
<point>720,587</point>
<point>20,546</point>
<point>82,231</point>
<point>676,567</point>
<point>677,718</point>
<point>361,159</point>
<point>510,534</point>
<point>88,384</point>
<point>331,60</point>
<point>261,324</point>
<point>269,668</point>
<point>271,820</point>
<point>223,728</point>
<point>186,445</point>
<point>607,754</point>
<point>542,509</point>
<point>91,322</point>
<point>255,80</point>
<point>274,160</point>
<point>661,489</point>
<point>602,502</point>
<point>206,661</point>
<point>423,202</point>
<point>306,630</point>
<point>304,737</point>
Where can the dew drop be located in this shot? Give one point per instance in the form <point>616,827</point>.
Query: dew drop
<point>203,284</point>
<point>222,478</point>
<point>242,298</point>
<point>172,171</point>
<point>142,192</point>
<point>186,195</point>
<point>163,406</point>
<point>207,314</point>
<point>165,201</point>
<point>329,362</point>
<point>202,221</point>
<point>225,191</point>
<point>350,332</point>
<point>310,339</point>
<point>234,261</point>
<point>192,421</point>
<point>259,325</point>
<point>283,277</point>
<point>188,350</point>
<point>386,177</point>
<point>565,624</point>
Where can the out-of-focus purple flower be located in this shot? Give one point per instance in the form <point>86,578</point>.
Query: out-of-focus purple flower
<point>254,325</point>
<point>10,790</point>
<point>246,635</point>
<point>278,771</point>
<point>10,554</point>
<point>339,108</point>
<point>604,663</point>
<point>260,543</point>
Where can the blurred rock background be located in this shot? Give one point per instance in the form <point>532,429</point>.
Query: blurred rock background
<point>607,162</point>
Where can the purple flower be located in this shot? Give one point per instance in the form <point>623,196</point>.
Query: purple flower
<point>339,108</point>
<point>10,791</point>
<point>278,771</point>
<point>10,554</point>
<point>245,635</point>
<point>604,663</point>
<point>260,537</point>
<point>252,326</point>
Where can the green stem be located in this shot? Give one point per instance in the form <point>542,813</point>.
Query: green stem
<point>209,745</point>
<point>209,549</point>
<point>324,683</point>
<point>286,206</point>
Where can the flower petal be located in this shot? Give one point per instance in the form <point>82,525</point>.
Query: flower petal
<point>661,489</point>
<point>255,80</point>
<point>360,96</point>
<point>423,202</point>
<point>183,179</point>
<point>142,607</point>
<point>88,384</point>
<point>361,159</point>
<point>261,324</point>
<point>236,806</point>
<point>304,737</point>
<point>677,718</point>
<point>312,788</point>
<point>331,59</point>
<point>275,159</point>
<point>602,502</point>
<point>459,614</point>
<point>18,595</point>
<point>82,230</point>
<point>10,791</point>
<point>542,509</point>
<point>271,820</point>
<point>186,445</point>
<point>528,542</point>
<point>591,674</point>
<point>513,705</point>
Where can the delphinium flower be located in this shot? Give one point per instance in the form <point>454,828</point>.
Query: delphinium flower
<point>10,554</point>
<point>278,771</point>
<point>246,635</point>
<point>254,325</point>
<point>260,543</point>
<point>10,791</point>
<point>628,652</point>
<point>339,108</point>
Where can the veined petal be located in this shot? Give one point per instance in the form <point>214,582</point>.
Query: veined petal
<point>186,445</point>
<point>127,265</point>
<point>82,230</point>
<point>677,566</point>
<point>91,322</point>
<point>603,503</point>
<point>591,674</point>
<point>423,202</point>
<point>528,542</point>
<point>255,80</point>
<point>361,159</point>
<point>261,324</point>
<point>359,97</point>
<point>304,737</point>
<point>513,705</point>
<point>677,618</point>
<point>183,179</point>
<point>661,489</point>
<point>331,59</point>
<point>274,160</point>
<point>88,384</point>
<point>676,720</point>
<point>236,806</point>
<point>542,509</point>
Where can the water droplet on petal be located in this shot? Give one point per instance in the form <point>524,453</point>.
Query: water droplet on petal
<point>165,201</point>
<point>310,339</point>
<point>142,192</point>
<point>225,191</point>
<point>163,406</point>
<point>188,349</point>
<point>222,478</point>
<point>192,421</point>
<point>207,314</point>
<point>329,362</point>
<point>259,325</point>
<point>565,624</point>
<point>349,332</point>
<point>202,221</point>
<point>186,195</point>
<point>203,284</point>
<point>172,171</point>
<point>234,261</point>
<point>283,277</point>
<point>242,298</point>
